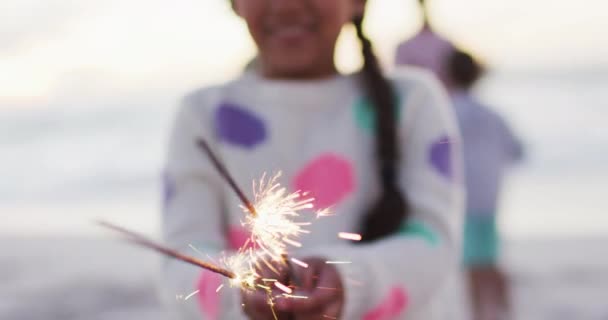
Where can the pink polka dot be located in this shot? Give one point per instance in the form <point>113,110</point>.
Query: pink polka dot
<point>391,306</point>
<point>208,298</point>
<point>329,178</point>
<point>238,237</point>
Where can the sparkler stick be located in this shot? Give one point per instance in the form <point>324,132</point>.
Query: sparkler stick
<point>142,241</point>
<point>251,208</point>
<point>202,144</point>
<point>270,220</point>
<point>272,246</point>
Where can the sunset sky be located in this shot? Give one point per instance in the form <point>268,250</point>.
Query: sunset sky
<point>50,47</point>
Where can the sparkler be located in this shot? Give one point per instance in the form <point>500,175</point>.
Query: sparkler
<point>269,218</point>
<point>202,144</point>
<point>238,271</point>
<point>141,240</point>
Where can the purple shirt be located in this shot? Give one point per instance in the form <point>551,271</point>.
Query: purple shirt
<point>489,147</point>
<point>426,50</point>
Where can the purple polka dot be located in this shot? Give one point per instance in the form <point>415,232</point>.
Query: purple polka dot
<point>440,156</point>
<point>238,126</point>
<point>168,189</point>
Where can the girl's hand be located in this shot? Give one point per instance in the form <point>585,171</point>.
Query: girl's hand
<point>257,308</point>
<point>256,304</point>
<point>322,284</point>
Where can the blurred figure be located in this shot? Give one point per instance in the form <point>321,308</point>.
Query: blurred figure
<point>426,49</point>
<point>489,148</point>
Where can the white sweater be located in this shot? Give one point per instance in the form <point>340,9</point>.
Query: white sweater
<point>320,135</point>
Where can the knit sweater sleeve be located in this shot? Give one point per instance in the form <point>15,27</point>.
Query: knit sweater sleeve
<point>193,217</point>
<point>394,277</point>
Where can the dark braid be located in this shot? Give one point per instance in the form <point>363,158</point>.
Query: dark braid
<point>390,210</point>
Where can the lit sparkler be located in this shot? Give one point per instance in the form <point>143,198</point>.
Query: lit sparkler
<point>270,218</point>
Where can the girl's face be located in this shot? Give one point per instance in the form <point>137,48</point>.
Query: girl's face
<point>296,38</point>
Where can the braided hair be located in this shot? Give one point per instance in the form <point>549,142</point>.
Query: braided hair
<point>389,211</point>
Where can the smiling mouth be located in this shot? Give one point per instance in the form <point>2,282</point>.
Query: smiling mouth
<point>290,32</point>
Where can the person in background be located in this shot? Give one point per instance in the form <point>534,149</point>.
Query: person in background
<point>490,147</point>
<point>426,49</point>
<point>382,152</point>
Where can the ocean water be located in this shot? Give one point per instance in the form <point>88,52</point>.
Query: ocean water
<point>70,161</point>
<point>102,279</point>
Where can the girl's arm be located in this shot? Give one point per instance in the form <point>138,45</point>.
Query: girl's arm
<point>192,215</point>
<point>401,274</point>
<point>514,148</point>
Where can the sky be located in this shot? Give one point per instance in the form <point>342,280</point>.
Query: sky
<point>49,48</point>
<point>73,58</point>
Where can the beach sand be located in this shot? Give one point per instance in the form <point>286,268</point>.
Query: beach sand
<point>95,278</point>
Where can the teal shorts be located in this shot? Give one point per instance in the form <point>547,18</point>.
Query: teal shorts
<point>480,240</point>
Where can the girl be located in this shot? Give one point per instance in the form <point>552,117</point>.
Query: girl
<point>489,148</point>
<point>382,154</point>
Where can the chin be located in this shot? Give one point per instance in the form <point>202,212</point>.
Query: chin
<point>293,66</point>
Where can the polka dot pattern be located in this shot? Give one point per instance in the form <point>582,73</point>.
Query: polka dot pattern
<point>208,298</point>
<point>419,229</point>
<point>365,115</point>
<point>329,179</point>
<point>238,237</point>
<point>440,156</point>
<point>239,127</point>
<point>393,304</point>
